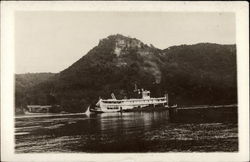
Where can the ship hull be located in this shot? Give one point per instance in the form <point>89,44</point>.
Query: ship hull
<point>96,111</point>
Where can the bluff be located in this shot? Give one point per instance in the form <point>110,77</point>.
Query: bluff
<point>202,73</point>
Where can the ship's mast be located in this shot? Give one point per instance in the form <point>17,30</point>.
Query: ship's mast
<point>166,95</point>
<point>113,96</point>
<point>136,88</point>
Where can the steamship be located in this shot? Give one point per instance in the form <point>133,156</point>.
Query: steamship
<point>115,105</point>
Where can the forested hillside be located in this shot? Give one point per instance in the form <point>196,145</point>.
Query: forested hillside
<point>203,73</point>
<point>24,83</point>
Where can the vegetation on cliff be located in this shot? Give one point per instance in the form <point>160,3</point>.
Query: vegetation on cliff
<point>203,73</point>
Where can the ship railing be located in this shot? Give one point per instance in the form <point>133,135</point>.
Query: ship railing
<point>140,102</point>
<point>134,99</point>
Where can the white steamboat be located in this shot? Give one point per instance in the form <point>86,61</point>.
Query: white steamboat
<point>114,105</point>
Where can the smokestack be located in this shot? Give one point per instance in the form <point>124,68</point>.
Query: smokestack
<point>113,96</point>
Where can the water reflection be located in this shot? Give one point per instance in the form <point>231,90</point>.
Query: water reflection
<point>132,121</point>
<point>112,132</point>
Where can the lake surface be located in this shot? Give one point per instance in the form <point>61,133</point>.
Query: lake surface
<point>121,132</point>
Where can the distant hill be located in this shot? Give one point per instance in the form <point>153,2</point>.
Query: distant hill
<point>202,73</point>
<point>29,80</point>
<point>24,83</point>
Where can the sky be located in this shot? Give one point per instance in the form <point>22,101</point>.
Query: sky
<point>50,41</point>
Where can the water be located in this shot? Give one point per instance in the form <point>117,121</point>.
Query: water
<point>121,132</point>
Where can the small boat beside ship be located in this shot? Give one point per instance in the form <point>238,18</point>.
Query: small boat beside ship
<point>115,105</point>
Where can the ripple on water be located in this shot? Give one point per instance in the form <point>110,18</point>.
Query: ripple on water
<point>127,132</point>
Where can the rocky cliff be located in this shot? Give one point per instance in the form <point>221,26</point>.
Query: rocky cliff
<point>203,73</point>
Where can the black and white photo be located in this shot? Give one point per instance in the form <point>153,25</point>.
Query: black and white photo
<point>139,80</point>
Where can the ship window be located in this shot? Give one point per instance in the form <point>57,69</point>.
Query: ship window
<point>112,107</point>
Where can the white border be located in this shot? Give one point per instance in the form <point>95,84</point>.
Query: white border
<point>7,76</point>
